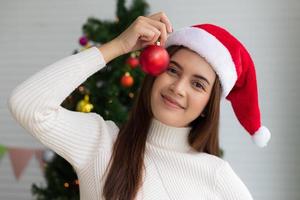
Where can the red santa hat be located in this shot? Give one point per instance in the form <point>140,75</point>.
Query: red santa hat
<point>235,69</point>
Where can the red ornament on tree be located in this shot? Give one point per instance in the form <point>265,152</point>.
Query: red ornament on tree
<point>154,59</point>
<point>127,80</point>
<point>132,61</point>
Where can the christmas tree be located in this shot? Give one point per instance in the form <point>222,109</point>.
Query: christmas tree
<point>109,92</point>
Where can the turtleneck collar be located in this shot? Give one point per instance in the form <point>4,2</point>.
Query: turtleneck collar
<point>168,137</point>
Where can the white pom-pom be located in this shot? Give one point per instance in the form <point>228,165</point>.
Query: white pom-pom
<point>261,137</point>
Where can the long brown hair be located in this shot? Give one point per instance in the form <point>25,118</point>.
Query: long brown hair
<point>127,161</point>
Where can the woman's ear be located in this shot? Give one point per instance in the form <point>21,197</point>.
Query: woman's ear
<point>204,112</point>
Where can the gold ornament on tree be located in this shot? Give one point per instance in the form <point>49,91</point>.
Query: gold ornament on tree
<point>84,105</point>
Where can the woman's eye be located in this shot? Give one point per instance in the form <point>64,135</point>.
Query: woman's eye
<point>198,85</point>
<point>172,70</point>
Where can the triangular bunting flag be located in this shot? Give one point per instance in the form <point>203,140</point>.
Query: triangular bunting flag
<point>2,151</point>
<point>39,156</point>
<point>19,159</point>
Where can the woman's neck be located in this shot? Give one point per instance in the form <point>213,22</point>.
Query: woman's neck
<point>168,137</point>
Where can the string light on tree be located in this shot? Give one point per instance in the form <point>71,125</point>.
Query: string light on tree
<point>106,112</point>
<point>131,95</point>
<point>48,155</point>
<point>66,185</point>
<point>99,83</point>
<point>82,89</point>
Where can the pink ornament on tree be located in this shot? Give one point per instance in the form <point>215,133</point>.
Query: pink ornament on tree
<point>83,41</point>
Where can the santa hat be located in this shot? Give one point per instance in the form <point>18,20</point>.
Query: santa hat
<point>235,69</point>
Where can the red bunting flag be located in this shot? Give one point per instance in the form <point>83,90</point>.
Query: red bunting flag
<point>19,159</point>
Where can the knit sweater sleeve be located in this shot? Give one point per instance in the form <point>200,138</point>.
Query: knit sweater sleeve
<point>229,186</point>
<point>36,106</point>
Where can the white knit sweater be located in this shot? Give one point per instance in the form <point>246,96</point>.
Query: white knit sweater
<point>173,170</point>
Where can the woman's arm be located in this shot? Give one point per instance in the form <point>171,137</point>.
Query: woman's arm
<point>229,186</point>
<point>76,136</point>
<point>35,104</point>
<point>111,50</point>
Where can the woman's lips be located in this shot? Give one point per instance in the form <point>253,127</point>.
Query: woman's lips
<point>170,104</point>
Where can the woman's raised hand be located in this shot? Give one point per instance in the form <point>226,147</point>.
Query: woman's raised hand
<point>142,32</point>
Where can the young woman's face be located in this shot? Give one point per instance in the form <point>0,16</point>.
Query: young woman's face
<point>188,81</point>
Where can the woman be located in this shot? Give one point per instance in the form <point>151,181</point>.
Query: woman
<point>169,147</point>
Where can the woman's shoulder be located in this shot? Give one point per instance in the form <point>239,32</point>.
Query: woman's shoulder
<point>106,125</point>
<point>220,166</point>
<point>112,126</point>
<point>214,162</point>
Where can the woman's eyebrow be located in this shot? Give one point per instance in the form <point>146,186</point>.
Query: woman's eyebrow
<point>194,75</point>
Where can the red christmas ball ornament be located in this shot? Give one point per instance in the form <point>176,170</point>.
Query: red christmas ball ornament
<point>133,62</point>
<point>83,40</point>
<point>127,80</point>
<point>154,59</point>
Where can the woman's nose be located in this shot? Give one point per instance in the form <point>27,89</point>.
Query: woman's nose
<point>178,87</point>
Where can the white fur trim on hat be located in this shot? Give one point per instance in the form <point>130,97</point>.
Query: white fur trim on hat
<point>211,49</point>
<point>262,136</point>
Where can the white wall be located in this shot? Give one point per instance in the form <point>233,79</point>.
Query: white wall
<point>35,33</point>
